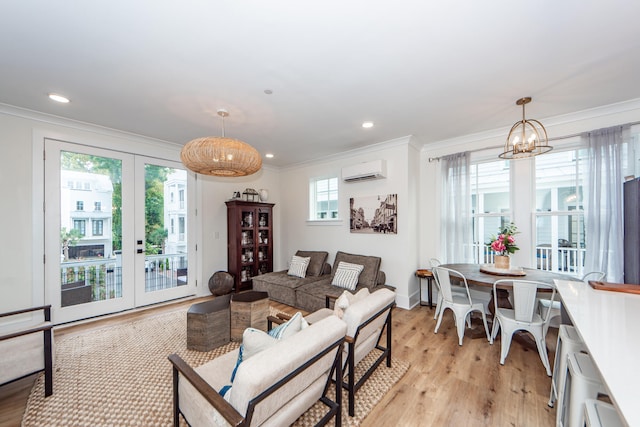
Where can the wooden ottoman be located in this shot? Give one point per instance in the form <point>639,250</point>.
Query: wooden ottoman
<point>208,324</point>
<point>248,310</point>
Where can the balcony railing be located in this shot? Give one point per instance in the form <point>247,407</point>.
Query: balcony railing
<point>559,259</point>
<point>101,279</point>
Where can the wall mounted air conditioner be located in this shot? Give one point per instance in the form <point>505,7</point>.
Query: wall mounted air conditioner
<point>364,171</point>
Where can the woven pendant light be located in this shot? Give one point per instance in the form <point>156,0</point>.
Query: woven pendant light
<point>220,156</point>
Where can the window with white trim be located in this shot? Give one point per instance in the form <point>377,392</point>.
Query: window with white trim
<point>323,199</point>
<point>490,203</point>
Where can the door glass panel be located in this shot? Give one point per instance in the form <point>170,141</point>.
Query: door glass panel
<point>165,228</point>
<point>90,228</point>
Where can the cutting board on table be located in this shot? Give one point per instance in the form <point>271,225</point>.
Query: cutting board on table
<point>616,287</point>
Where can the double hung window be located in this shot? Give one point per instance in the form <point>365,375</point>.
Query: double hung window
<point>323,199</point>
<point>490,203</point>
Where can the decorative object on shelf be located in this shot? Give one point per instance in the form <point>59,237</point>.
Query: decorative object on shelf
<point>236,195</point>
<point>250,195</point>
<point>264,194</point>
<point>503,245</point>
<point>220,156</point>
<point>527,138</point>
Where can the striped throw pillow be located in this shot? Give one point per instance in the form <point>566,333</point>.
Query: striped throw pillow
<point>346,275</point>
<point>298,266</point>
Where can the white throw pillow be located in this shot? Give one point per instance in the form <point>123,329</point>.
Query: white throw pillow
<point>346,299</point>
<point>346,275</point>
<point>298,266</point>
<point>254,341</point>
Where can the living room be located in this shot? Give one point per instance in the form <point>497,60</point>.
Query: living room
<point>410,173</point>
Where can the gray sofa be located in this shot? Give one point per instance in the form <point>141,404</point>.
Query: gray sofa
<point>310,293</point>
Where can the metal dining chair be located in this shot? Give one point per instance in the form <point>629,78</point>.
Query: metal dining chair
<point>455,289</point>
<point>522,317</point>
<point>460,304</point>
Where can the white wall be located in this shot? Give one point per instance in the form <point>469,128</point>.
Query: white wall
<point>397,251</point>
<point>16,250</point>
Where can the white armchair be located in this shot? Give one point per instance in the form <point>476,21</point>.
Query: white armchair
<point>367,320</point>
<point>273,387</point>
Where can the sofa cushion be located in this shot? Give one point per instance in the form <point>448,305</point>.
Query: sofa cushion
<point>282,287</point>
<point>369,275</point>
<point>311,297</point>
<point>346,276</point>
<point>316,263</point>
<point>298,266</point>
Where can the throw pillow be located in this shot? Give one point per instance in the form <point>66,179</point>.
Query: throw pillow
<point>255,340</point>
<point>298,266</point>
<point>346,299</point>
<point>346,275</point>
<point>288,328</point>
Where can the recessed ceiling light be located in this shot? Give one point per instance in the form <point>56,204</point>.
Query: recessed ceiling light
<point>268,91</point>
<point>58,98</point>
<point>269,156</point>
<point>367,125</point>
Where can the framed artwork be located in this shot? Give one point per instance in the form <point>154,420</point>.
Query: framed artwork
<point>374,214</point>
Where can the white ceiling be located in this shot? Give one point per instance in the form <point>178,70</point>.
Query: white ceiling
<point>432,69</point>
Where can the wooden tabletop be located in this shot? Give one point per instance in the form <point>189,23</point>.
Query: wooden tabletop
<point>476,277</point>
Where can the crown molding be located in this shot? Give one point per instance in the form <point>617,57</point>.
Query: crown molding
<point>51,119</point>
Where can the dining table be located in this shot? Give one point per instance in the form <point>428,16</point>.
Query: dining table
<point>476,274</point>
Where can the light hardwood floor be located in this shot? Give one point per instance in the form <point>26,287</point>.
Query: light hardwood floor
<point>446,385</point>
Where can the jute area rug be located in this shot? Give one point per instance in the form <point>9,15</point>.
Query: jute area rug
<point>120,376</point>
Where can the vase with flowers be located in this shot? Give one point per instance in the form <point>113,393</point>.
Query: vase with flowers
<point>503,245</point>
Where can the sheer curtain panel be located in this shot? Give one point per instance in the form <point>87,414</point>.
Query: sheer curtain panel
<point>456,215</point>
<point>604,203</point>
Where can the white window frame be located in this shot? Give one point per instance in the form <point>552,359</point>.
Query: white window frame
<point>487,257</point>
<point>313,199</point>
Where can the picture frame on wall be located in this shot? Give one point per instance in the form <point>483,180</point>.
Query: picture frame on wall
<point>374,214</point>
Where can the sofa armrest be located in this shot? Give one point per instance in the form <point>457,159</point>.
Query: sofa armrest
<point>223,407</point>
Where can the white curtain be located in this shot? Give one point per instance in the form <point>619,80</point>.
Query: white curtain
<point>456,219</point>
<point>604,203</point>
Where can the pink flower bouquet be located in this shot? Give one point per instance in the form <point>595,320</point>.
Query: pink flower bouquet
<point>504,243</point>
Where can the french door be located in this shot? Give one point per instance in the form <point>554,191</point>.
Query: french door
<point>116,230</point>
